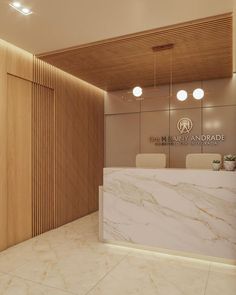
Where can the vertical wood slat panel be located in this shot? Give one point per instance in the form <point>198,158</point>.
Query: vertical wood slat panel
<point>59,111</point>
<point>96,148</point>
<point>3,147</point>
<point>65,180</point>
<point>71,149</point>
<point>43,150</point>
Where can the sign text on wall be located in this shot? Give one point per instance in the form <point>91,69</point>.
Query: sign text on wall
<point>184,127</point>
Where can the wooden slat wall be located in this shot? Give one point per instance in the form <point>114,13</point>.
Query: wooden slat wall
<point>43,148</point>
<point>44,74</point>
<point>96,148</point>
<point>3,148</point>
<point>66,132</point>
<point>43,159</point>
<point>71,151</point>
<point>72,148</point>
<point>75,119</point>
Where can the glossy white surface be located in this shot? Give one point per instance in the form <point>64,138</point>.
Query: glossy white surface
<point>189,211</point>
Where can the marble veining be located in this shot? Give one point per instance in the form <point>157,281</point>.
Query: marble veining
<point>191,211</point>
<point>72,260</point>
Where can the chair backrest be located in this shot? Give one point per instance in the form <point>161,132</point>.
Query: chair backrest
<point>201,161</point>
<point>151,161</point>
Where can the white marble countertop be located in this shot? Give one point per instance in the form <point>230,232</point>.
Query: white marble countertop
<point>183,210</point>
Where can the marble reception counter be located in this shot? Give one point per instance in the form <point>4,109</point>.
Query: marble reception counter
<point>189,212</point>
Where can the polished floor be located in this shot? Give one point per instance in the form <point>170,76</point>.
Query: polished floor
<point>71,260</point>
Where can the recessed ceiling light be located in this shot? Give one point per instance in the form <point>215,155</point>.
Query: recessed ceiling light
<point>25,10</point>
<point>17,6</point>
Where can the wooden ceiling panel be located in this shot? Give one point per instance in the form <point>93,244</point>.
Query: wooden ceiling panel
<point>202,50</point>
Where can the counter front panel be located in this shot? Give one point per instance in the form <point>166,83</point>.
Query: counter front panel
<point>189,211</point>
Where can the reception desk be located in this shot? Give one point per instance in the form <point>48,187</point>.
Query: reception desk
<point>177,211</point>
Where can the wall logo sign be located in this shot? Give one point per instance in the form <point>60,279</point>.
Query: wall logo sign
<point>185,136</point>
<point>185,125</point>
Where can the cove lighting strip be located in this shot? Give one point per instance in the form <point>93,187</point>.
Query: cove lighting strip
<point>20,8</point>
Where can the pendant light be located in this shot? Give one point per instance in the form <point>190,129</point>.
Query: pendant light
<point>198,93</point>
<point>137,91</point>
<point>182,95</point>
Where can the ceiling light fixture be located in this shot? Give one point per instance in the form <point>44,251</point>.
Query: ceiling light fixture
<point>137,91</point>
<point>16,4</point>
<point>23,10</point>
<point>198,93</point>
<point>182,95</point>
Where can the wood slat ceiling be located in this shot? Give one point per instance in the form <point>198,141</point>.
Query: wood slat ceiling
<point>202,50</point>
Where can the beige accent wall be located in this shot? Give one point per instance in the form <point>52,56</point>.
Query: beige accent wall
<point>129,124</point>
<point>122,139</point>
<point>152,123</point>
<point>19,202</point>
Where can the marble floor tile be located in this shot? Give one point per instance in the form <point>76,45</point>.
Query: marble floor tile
<point>152,275</point>
<point>77,273</point>
<point>71,260</point>
<point>37,248</point>
<point>53,244</point>
<point>14,257</point>
<point>222,280</point>
<point>10,285</point>
<point>81,229</point>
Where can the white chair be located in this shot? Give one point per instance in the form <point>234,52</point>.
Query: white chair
<point>151,161</point>
<point>201,161</point>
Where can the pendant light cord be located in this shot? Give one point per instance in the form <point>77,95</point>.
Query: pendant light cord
<point>155,70</point>
<point>171,72</point>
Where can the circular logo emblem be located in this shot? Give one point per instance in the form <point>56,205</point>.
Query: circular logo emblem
<point>184,125</point>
